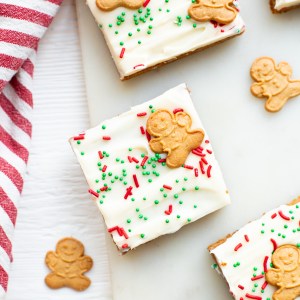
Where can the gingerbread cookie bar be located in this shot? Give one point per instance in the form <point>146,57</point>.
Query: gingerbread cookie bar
<point>280,6</point>
<point>143,35</point>
<point>151,170</point>
<point>262,260</point>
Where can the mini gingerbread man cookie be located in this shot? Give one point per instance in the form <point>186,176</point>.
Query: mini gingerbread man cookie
<point>108,5</point>
<point>273,82</point>
<point>68,264</point>
<point>220,11</point>
<point>286,274</point>
<point>172,135</point>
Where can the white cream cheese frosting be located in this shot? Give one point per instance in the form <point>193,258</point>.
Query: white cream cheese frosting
<point>244,258</point>
<point>159,32</point>
<point>280,4</point>
<point>139,196</point>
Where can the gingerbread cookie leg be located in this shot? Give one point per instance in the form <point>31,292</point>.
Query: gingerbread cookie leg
<point>287,294</point>
<point>55,281</point>
<point>79,283</point>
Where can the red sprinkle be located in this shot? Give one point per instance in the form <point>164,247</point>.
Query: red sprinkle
<point>135,180</point>
<point>146,3</point>
<point>253,297</point>
<point>241,287</point>
<point>201,167</point>
<point>161,160</point>
<point>237,247</point>
<point>135,160</point>
<point>93,193</point>
<point>209,171</point>
<point>208,151</point>
<point>246,238</point>
<point>206,141</point>
<point>168,212</point>
<point>144,160</point>
<point>122,53</point>
<point>188,167</point>
<point>274,216</point>
<point>283,216</point>
<point>80,137</point>
<point>142,114</point>
<point>120,231</point>
<point>257,277</point>
<point>104,168</point>
<point>266,264</point>
<point>204,160</point>
<point>128,192</point>
<point>100,154</point>
<point>106,138</point>
<point>104,188</point>
<point>129,158</point>
<point>177,110</point>
<point>124,246</point>
<point>167,187</point>
<point>264,285</point>
<point>140,65</point>
<point>196,172</point>
<point>148,136</point>
<point>274,244</point>
<point>142,130</point>
<point>196,152</point>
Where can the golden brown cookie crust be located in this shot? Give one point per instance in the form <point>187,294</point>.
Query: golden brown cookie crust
<point>273,82</point>
<point>172,134</point>
<point>68,264</point>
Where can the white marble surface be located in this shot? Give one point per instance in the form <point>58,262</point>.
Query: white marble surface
<point>55,202</point>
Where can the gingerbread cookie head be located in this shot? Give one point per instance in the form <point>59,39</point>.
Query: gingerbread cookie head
<point>263,69</point>
<point>286,258</point>
<point>108,5</point>
<point>69,249</point>
<point>172,135</point>
<point>221,11</point>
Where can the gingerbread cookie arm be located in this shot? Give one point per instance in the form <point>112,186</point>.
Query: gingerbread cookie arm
<point>285,69</point>
<point>51,260</point>
<point>156,145</point>
<point>274,276</point>
<point>257,89</point>
<point>85,263</point>
<point>183,119</point>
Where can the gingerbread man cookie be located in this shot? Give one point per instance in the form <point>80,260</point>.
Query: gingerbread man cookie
<point>172,135</point>
<point>220,11</point>
<point>273,82</point>
<point>286,274</point>
<point>108,5</point>
<point>68,264</point>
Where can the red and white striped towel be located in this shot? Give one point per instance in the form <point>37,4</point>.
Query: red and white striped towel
<point>22,24</point>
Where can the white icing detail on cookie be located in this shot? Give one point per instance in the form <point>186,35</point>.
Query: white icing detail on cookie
<point>281,225</point>
<point>191,197</point>
<point>167,38</point>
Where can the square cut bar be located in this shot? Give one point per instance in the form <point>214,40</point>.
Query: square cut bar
<point>143,39</point>
<point>139,196</point>
<point>244,257</point>
<point>280,6</point>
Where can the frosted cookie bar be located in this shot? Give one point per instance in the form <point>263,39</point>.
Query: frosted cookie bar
<point>279,6</point>
<point>262,260</point>
<point>143,35</point>
<point>152,169</point>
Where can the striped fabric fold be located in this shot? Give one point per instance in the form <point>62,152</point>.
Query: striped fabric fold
<point>22,25</point>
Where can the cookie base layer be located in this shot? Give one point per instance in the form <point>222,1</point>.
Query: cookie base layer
<point>221,265</point>
<point>283,10</point>
<point>179,57</point>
